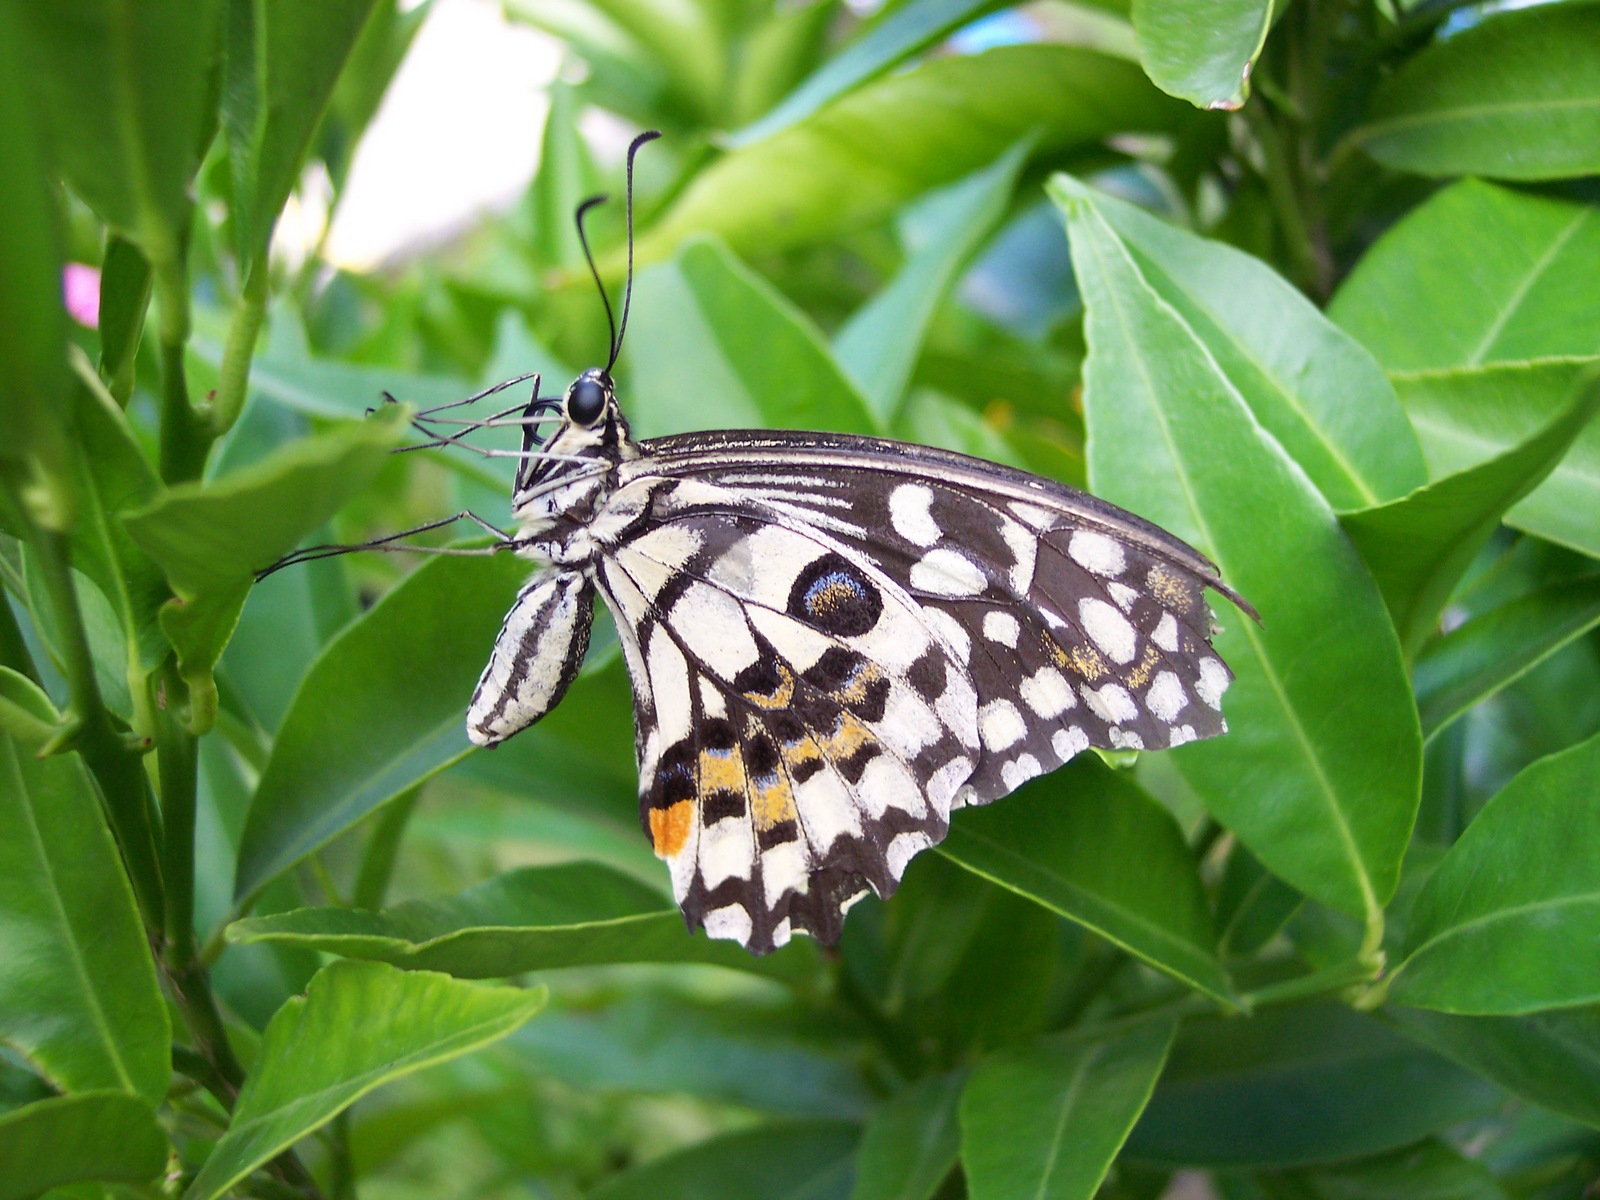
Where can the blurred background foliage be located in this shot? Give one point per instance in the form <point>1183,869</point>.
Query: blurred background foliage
<point>1329,264</point>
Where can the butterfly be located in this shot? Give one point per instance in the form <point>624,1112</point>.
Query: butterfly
<point>834,641</point>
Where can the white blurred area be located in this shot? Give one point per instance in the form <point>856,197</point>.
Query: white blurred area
<point>457,135</point>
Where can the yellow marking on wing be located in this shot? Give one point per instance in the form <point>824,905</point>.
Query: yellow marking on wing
<point>669,827</point>
<point>774,804</point>
<point>1083,662</point>
<point>1171,589</point>
<point>849,737</point>
<point>1140,674</point>
<point>721,771</point>
<point>781,696</point>
<point>856,690</point>
<point>797,754</point>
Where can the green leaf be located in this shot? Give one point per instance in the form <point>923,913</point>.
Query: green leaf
<point>531,919</point>
<point>714,346</point>
<point>1322,791</point>
<point>1467,417</point>
<point>1419,547</point>
<point>931,125</point>
<point>281,65</point>
<point>382,709</point>
<point>1550,1058</point>
<point>1065,840</point>
<point>74,1139</point>
<point>33,353</point>
<point>879,345</point>
<point>311,1068</point>
<point>1298,1085</point>
<point>125,279</point>
<point>1430,1170</point>
<point>1047,1119</point>
<point>78,996</point>
<point>566,176</point>
<point>211,536</point>
<point>792,1160</point>
<point>26,713</point>
<point>1494,649</point>
<point>1202,50</point>
<point>1483,274</point>
<point>1515,96</point>
<point>1252,905</point>
<point>1520,889</point>
<point>128,92</point>
<point>911,1142</point>
<point>1312,386</point>
<point>903,31</point>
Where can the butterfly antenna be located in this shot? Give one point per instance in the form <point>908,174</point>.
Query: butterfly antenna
<point>649,135</point>
<point>583,238</point>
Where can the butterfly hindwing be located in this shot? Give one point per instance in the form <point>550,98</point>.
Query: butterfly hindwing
<point>793,754</point>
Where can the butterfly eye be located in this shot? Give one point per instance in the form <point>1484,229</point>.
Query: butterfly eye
<point>586,403</point>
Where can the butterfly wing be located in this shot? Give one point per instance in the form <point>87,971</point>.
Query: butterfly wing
<point>932,629</point>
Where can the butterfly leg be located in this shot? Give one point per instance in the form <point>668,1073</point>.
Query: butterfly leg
<point>389,544</point>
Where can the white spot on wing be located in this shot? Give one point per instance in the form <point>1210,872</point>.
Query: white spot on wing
<point>885,784</point>
<point>1000,725</point>
<point>1069,742</point>
<point>783,869</point>
<point>1096,552</point>
<point>903,849</point>
<point>1024,547</point>
<point>1166,697</point>
<point>1122,594</point>
<point>1166,633</point>
<point>1212,683</point>
<point>1182,734</point>
<point>908,511</point>
<point>1021,769</point>
<point>1109,629</point>
<point>1038,518</point>
<point>727,850</point>
<point>1047,692</point>
<point>945,572</point>
<point>730,923</point>
<point>1001,627</point>
<point>712,625</point>
<point>1126,739</point>
<point>1111,703</point>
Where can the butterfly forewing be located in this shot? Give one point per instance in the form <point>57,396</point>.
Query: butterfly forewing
<point>834,641</point>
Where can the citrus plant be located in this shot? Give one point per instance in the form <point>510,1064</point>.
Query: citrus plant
<point>1312,284</point>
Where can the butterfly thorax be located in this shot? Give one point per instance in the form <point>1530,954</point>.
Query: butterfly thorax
<point>565,483</point>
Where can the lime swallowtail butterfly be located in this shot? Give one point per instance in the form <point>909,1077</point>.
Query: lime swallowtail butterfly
<point>834,641</point>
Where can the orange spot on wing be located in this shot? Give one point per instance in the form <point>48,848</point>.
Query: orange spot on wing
<point>669,827</point>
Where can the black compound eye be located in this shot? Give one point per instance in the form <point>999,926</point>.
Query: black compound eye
<point>586,403</point>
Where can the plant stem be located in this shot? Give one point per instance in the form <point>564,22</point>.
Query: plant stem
<point>185,435</point>
<point>234,377</point>
<point>175,760</point>
<point>124,787</point>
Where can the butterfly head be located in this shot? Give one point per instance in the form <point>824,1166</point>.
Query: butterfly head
<point>572,470</point>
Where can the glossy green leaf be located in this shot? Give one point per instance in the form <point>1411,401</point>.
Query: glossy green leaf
<point>128,93</point>
<point>1494,649</point>
<point>1518,890</point>
<point>381,710</point>
<point>1550,1058</point>
<point>26,713</point>
<point>1466,417</point>
<point>209,537</point>
<point>1252,905</point>
<point>566,176</point>
<point>531,919</point>
<point>794,1160</point>
<point>1419,547</point>
<point>929,126</point>
<point>1323,792</point>
<point>1047,1119</point>
<point>73,1139</point>
<point>281,65</point>
<point>1202,50</point>
<point>310,1068</point>
<point>78,996</point>
<point>33,354</point>
<point>911,1142</point>
<point>1237,1093</point>
<point>125,279</point>
<point>1066,841</point>
<point>880,343</point>
<point>1515,96</point>
<point>1312,386</point>
<point>1483,274</point>
<point>714,346</point>
<point>1430,1170</point>
<point>902,32</point>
